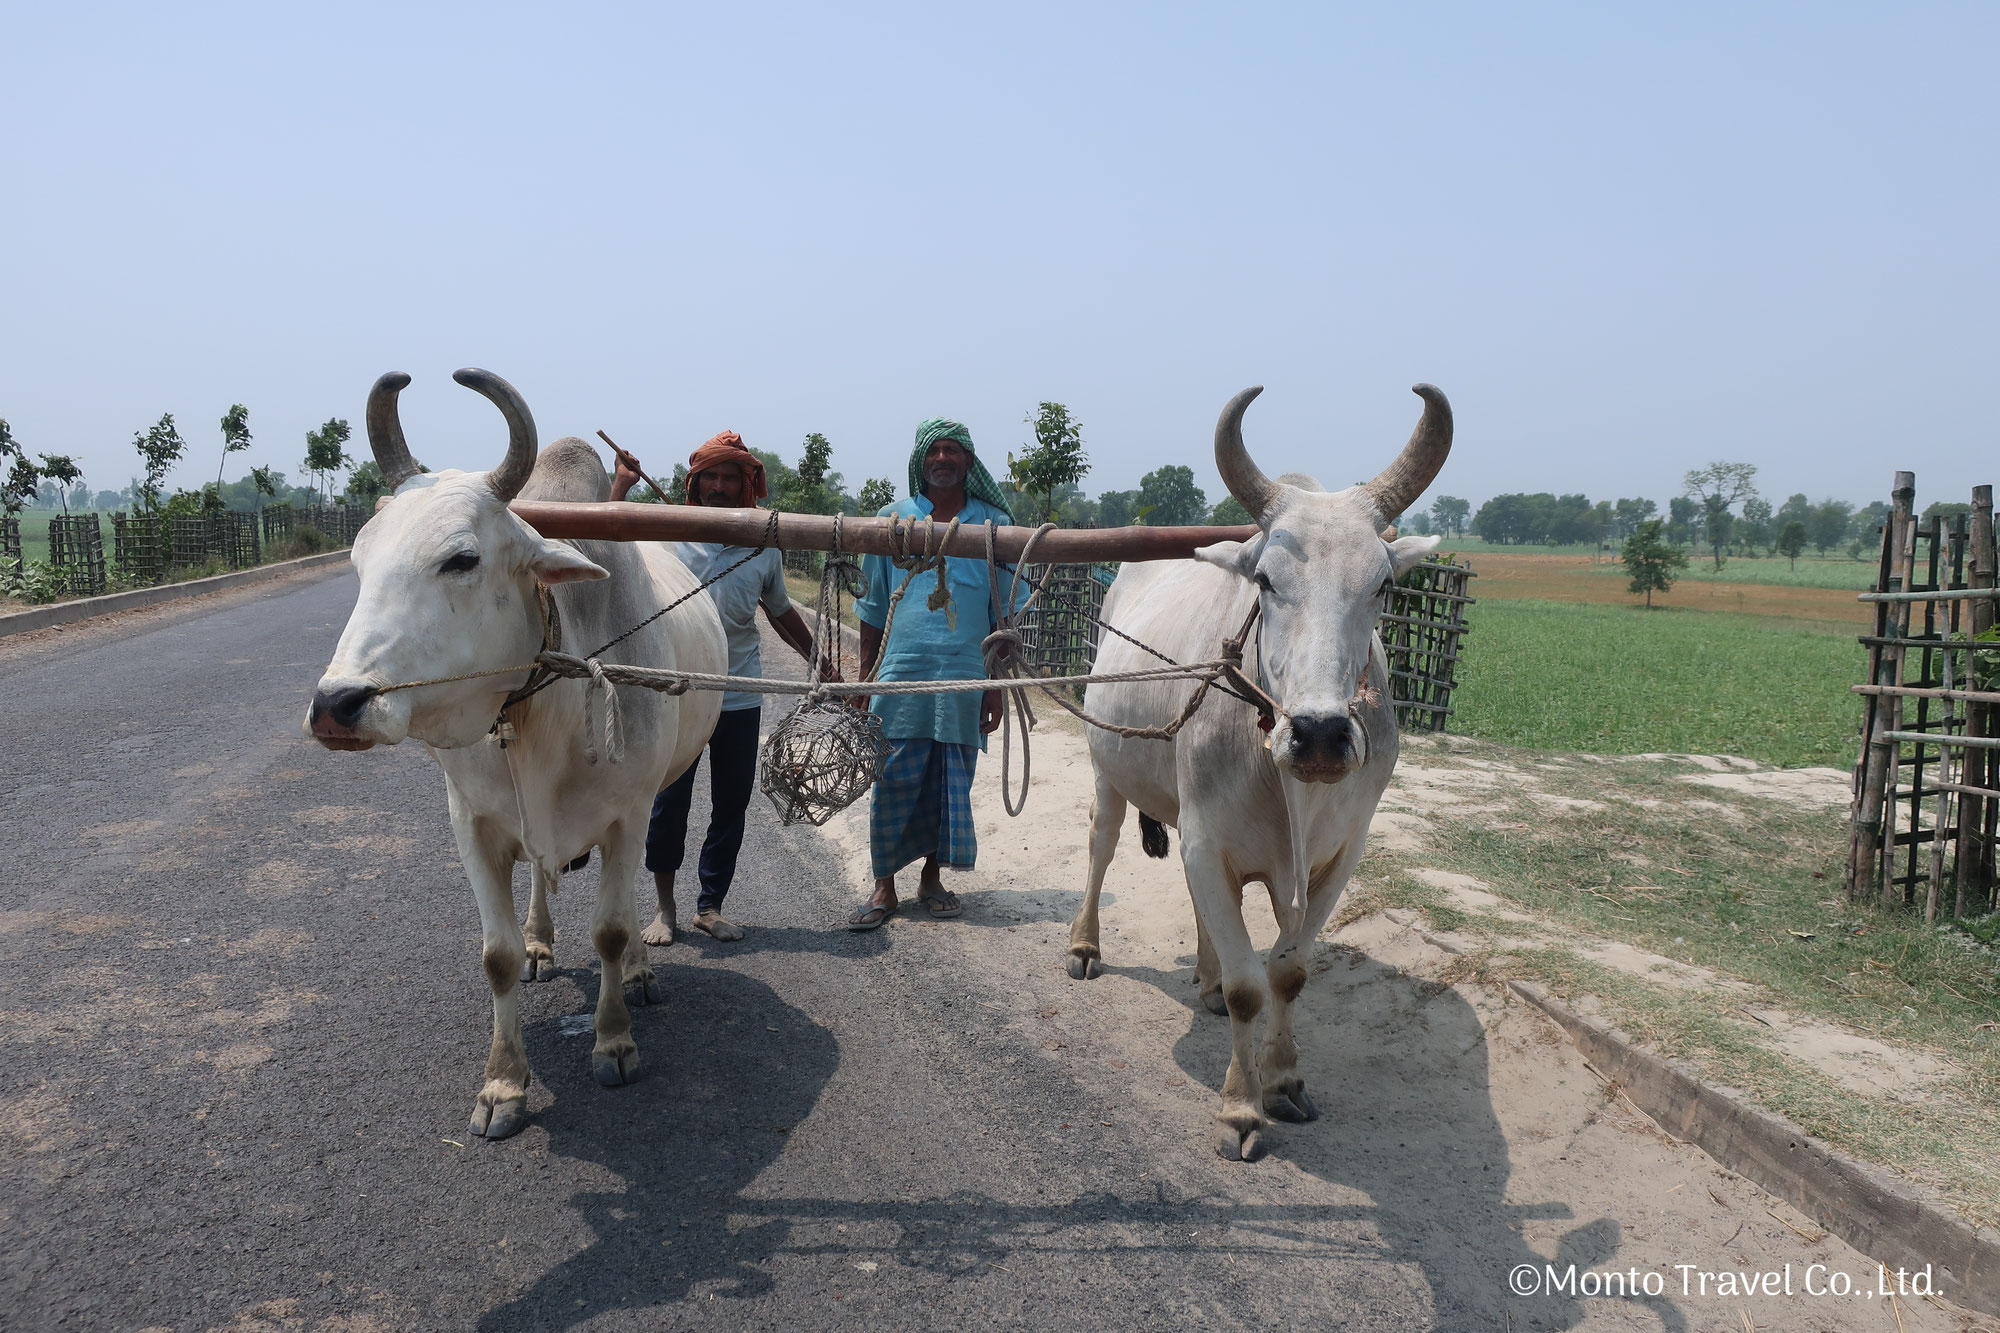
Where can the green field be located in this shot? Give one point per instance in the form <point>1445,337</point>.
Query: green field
<point>1773,572</point>
<point>35,532</point>
<point>1617,680</point>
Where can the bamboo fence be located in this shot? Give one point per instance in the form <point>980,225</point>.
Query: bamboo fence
<point>1927,780</point>
<point>76,549</point>
<point>1421,631</point>
<point>10,541</point>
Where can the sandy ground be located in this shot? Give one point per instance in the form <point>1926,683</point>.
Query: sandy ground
<point>1591,1180</point>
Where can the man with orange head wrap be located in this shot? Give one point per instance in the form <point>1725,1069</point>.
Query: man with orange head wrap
<point>720,473</point>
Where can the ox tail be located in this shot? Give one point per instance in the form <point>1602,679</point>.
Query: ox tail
<point>1152,835</point>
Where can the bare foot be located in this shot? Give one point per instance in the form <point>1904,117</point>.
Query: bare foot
<point>660,933</point>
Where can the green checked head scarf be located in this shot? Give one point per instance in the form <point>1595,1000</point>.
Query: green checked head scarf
<point>978,481</point>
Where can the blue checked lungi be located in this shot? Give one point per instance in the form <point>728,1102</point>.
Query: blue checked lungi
<point>923,807</point>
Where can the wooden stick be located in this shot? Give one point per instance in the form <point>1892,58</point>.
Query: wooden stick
<point>657,488</point>
<point>859,536</point>
<point>1912,691</point>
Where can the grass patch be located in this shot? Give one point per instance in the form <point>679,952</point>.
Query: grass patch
<point>1620,680</point>
<point>1942,1142</point>
<point>804,593</point>
<point>1838,572</point>
<point>35,532</point>
<point>1746,886</point>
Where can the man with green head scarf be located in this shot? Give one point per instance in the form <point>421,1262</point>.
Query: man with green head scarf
<point>923,800</point>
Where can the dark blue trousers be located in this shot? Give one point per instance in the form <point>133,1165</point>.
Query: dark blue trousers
<point>732,772</point>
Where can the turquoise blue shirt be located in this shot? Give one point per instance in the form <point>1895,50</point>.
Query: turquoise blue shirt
<point>923,645</point>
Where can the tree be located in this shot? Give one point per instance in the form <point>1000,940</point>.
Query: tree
<point>62,470</point>
<point>809,488</point>
<point>366,484</point>
<point>1449,514</point>
<point>1755,529</point>
<point>1796,509</point>
<point>1680,520</point>
<point>1864,529</point>
<point>160,447</point>
<point>1828,524</point>
<point>1516,518</point>
<point>1792,541</point>
<point>1627,515</point>
<point>877,494</point>
<point>18,477</point>
<point>1121,509</point>
<point>1416,523</point>
<point>235,436</point>
<point>1172,497</point>
<point>326,452</point>
<point>266,481</point>
<point>1651,562</point>
<point>812,464</point>
<point>1230,513</point>
<point>1720,487</point>
<point>1056,460</point>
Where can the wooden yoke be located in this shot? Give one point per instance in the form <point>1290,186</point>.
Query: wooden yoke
<point>626,522</point>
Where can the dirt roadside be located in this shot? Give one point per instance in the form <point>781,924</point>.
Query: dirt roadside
<point>1388,1020</point>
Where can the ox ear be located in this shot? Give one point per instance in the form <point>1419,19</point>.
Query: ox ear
<point>1406,552</point>
<point>556,562</point>
<point>1239,558</point>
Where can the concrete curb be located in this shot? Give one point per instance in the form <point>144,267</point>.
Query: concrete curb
<point>63,613</point>
<point>1853,1201</point>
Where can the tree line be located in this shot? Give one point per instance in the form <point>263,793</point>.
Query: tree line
<point>1040,482</point>
<point>1719,512</point>
<point>56,481</point>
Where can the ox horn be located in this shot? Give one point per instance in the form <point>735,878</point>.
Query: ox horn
<point>1417,466</point>
<point>385,431</point>
<point>1245,480</point>
<point>512,474</point>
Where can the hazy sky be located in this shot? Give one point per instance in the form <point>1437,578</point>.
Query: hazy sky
<point>1625,240</point>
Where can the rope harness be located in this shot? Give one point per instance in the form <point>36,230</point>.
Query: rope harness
<point>829,764</point>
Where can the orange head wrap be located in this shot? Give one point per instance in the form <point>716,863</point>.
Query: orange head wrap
<point>722,451</point>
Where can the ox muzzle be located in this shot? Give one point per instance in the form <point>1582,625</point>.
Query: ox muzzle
<point>335,717</point>
<point>1320,746</point>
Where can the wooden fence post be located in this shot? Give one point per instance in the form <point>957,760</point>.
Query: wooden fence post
<point>1976,814</point>
<point>1868,871</point>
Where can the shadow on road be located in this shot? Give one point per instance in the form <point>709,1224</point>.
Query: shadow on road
<point>1406,1117</point>
<point>720,1091</point>
<point>1406,1120</point>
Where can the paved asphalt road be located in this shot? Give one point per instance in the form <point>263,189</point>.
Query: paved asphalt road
<point>244,1018</point>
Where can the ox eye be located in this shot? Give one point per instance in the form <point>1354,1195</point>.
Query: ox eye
<point>459,563</point>
<point>1261,581</point>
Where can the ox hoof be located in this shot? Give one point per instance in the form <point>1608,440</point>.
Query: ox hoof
<point>540,964</point>
<point>1084,966</point>
<point>643,986</point>
<point>499,1117</point>
<point>1290,1103</point>
<point>1238,1145</point>
<point>615,1067</point>
<point>1212,1001</point>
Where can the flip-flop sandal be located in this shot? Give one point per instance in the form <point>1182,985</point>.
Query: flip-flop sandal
<point>868,916</point>
<point>942,905</point>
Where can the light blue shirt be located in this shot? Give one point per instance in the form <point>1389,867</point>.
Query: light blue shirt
<point>760,582</point>
<point>923,644</point>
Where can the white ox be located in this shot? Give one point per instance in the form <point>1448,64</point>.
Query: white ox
<point>448,580</point>
<point>1291,811</point>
